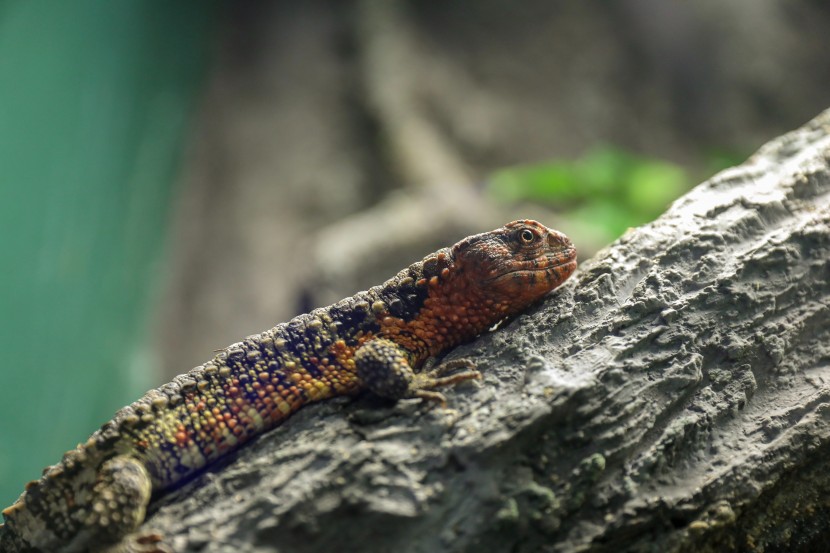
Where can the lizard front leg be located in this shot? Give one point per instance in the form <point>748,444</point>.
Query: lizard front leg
<point>383,368</point>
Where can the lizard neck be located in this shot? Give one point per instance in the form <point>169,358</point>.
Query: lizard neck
<point>446,306</point>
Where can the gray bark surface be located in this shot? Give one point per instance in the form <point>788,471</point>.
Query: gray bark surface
<point>673,396</point>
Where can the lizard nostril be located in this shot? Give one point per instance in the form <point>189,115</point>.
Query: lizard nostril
<point>563,241</point>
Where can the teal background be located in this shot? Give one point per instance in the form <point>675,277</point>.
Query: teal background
<point>94,102</point>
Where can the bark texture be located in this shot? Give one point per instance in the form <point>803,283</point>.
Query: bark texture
<point>673,396</point>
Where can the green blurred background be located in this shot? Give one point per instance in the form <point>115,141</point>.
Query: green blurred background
<point>176,175</point>
<point>94,101</point>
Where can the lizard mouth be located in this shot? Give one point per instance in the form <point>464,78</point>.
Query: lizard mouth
<point>566,267</point>
<point>557,267</point>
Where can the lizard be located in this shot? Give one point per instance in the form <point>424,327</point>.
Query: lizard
<point>383,340</point>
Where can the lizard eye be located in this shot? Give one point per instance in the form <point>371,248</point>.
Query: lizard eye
<point>527,236</point>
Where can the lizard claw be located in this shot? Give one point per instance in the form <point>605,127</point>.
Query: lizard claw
<point>452,365</point>
<point>152,543</point>
<point>149,542</point>
<point>429,395</point>
<point>426,383</point>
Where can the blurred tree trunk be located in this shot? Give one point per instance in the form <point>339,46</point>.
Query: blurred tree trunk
<point>674,396</point>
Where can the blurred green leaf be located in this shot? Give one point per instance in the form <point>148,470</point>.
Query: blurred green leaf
<point>611,217</point>
<point>541,183</point>
<point>650,187</point>
<point>610,187</point>
<point>602,169</point>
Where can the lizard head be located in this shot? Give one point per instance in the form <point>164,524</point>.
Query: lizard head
<point>517,264</point>
<point>481,281</point>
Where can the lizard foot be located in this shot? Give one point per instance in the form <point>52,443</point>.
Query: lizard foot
<point>424,383</point>
<point>383,368</point>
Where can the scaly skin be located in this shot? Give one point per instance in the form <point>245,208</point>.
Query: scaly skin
<point>376,340</point>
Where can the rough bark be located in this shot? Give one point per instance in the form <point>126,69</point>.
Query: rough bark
<point>673,396</point>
